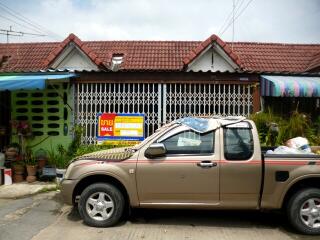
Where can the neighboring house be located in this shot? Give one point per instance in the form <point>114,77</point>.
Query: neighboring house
<point>163,79</point>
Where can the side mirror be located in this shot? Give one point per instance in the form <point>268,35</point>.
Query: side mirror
<point>155,150</point>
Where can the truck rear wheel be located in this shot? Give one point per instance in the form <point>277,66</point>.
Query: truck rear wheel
<point>101,205</point>
<point>303,211</point>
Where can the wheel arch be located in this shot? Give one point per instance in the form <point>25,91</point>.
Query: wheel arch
<point>298,184</point>
<point>99,178</point>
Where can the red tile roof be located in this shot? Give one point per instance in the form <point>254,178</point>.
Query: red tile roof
<point>314,64</point>
<point>202,46</point>
<point>72,38</point>
<point>164,55</point>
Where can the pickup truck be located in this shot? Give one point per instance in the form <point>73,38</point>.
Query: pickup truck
<point>221,166</point>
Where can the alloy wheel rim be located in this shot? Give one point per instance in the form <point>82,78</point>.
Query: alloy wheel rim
<point>100,206</point>
<point>310,213</point>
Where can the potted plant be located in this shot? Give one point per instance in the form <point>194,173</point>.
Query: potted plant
<point>42,158</point>
<point>18,168</point>
<point>61,162</point>
<point>31,164</point>
<point>23,131</point>
<point>12,151</point>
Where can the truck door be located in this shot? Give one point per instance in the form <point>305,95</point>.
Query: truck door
<point>241,166</point>
<point>188,175</point>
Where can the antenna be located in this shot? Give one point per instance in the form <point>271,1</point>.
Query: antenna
<point>10,32</point>
<point>233,8</point>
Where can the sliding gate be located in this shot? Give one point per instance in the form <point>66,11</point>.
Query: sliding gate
<point>161,103</point>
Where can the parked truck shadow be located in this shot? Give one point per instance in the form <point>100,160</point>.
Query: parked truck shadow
<point>208,218</point>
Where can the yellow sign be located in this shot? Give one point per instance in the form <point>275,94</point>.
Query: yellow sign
<point>126,127</point>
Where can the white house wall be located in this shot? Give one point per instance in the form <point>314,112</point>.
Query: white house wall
<point>204,63</point>
<point>75,59</point>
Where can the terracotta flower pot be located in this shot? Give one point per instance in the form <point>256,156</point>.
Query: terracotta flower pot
<point>17,178</point>
<point>42,162</point>
<point>18,169</point>
<point>10,155</point>
<point>31,179</point>
<point>32,170</point>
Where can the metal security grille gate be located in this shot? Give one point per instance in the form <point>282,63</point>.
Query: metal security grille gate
<point>160,103</point>
<point>198,99</point>
<point>93,98</point>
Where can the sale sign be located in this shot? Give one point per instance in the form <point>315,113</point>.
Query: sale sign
<point>106,124</point>
<point>114,126</point>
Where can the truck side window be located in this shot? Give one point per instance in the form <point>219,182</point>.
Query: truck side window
<point>190,142</point>
<point>238,143</point>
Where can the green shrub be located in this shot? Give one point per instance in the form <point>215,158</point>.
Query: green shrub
<point>263,121</point>
<point>61,156</point>
<point>30,158</point>
<point>298,124</point>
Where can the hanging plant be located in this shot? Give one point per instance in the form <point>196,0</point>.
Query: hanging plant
<point>21,128</point>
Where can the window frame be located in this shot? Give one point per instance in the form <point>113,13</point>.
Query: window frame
<point>163,138</point>
<point>249,128</point>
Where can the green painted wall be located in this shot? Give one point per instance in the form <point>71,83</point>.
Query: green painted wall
<point>48,113</point>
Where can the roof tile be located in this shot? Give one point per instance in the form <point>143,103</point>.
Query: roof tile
<point>164,55</point>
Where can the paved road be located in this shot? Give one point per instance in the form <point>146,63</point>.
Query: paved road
<point>24,218</point>
<point>45,217</point>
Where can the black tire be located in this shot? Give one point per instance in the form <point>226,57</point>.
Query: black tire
<point>293,210</point>
<point>115,195</point>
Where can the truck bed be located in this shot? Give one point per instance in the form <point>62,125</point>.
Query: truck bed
<point>281,171</point>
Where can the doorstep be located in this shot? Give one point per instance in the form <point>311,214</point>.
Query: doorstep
<point>24,189</point>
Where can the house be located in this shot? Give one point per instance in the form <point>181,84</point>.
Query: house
<point>70,82</point>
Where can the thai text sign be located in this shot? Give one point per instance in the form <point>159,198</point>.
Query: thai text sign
<point>118,126</point>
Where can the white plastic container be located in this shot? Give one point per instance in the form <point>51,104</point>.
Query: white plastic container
<point>7,176</point>
<point>60,174</point>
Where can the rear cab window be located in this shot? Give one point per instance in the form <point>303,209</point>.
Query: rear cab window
<point>238,141</point>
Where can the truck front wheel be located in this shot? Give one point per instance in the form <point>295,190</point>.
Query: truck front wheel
<point>101,205</point>
<point>304,211</point>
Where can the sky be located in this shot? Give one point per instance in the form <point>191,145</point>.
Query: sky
<point>287,21</point>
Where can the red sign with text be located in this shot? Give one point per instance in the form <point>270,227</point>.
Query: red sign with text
<point>106,124</point>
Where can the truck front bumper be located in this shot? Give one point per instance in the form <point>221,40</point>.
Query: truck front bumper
<point>67,189</point>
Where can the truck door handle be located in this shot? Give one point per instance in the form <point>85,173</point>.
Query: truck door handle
<point>206,164</point>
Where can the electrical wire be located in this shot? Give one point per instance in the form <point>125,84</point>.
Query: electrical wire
<point>230,14</point>
<point>243,9</point>
<point>237,8</point>
<point>22,33</point>
<point>22,25</point>
<point>28,21</point>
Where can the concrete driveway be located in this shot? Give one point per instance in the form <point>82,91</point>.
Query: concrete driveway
<point>160,224</point>
<point>45,217</point>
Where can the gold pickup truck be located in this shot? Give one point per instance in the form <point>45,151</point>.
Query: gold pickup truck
<point>219,167</point>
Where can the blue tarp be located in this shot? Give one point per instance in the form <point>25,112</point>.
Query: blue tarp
<point>197,124</point>
<point>28,82</point>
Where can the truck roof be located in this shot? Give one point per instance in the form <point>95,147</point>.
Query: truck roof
<point>203,125</point>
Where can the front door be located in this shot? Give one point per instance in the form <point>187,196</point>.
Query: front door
<point>188,175</point>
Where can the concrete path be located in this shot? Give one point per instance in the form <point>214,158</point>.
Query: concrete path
<point>24,189</point>
<point>176,225</point>
<point>44,216</point>
<point>22,219</point>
